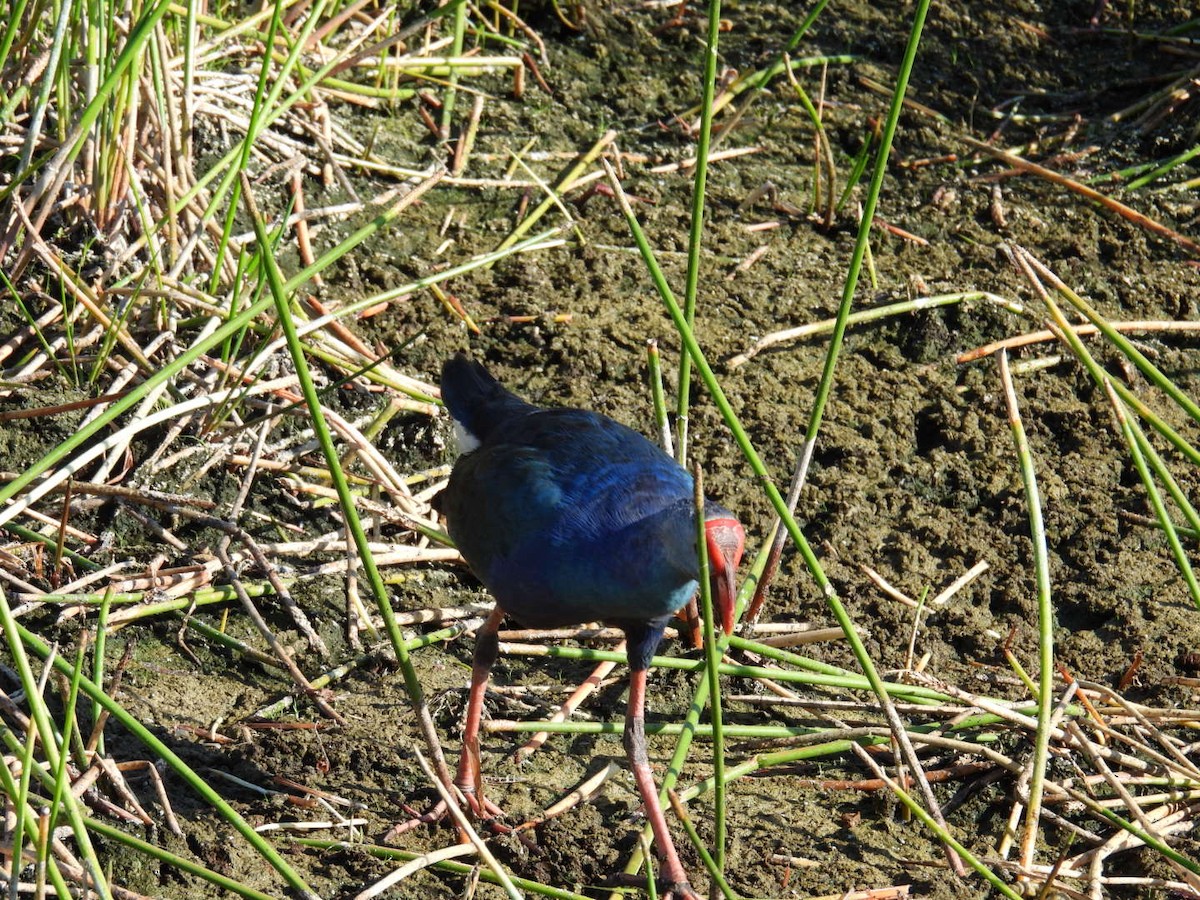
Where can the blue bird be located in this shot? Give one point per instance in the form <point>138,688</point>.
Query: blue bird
<point>567,517</point>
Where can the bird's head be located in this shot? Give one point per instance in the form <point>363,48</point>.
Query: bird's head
<point>725,540</point>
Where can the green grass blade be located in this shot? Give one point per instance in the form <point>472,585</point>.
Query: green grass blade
<point>139,34</point>
<point>1135,444</point>
<point>48,737</point>
<point>157,747</point>
<point>175,861</point>
<point>1122,343</point>
<point>696,228</point>
<point>712,662</point>
<point>412,683</point>
<point>1041,559</point>
<point>658,396</point>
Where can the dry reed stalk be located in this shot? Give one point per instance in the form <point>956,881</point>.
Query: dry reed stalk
<point>1125,212</point>
<point>281,652</point>
<point>585,689</point>
<point>1083,330</point>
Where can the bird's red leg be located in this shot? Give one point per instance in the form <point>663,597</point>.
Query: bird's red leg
<point>635,748</point>
<point>487,646</point>
<point>467,779</point>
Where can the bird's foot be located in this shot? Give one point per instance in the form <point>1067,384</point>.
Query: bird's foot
<point>417,819</point>
<point>483,810</point>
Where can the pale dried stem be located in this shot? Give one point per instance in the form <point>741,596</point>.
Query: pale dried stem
<point>28,332</point>
<point>1083,330</point>
<point>402,555</point>
<point>1183,764</point>
<point>464,825</point>
<point>76,464</point>
<point>568,707</point>
<point>117,781</point>
<point>884,585</point>
<point>1090,193</point>
<point>584,792</point>
<point>280,651</point>
<point>380,511</point>
<point>959,583</point>
<point>1024,792</point>
<point>157,529</point>
<point>433,857</point>
<point>1003,710</point>
<point>284,595</point>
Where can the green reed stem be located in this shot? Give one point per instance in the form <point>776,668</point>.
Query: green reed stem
<point>850,681</point>
<point>141,32</point>
<point>654,364</point>
<point>943,834</point>
<point>1045,607</point>
<point>233,326</point>
<point>714,866</point>
<point>1135,442</point>
<point>712,661</point>
<point>1153,374</point>
<point>178,766</point>
<point>693,349</point>
<point>691,721</point>
<point>55,752</point>
<point>176,861</point>
<point>24,819</point>
<point>696,232</point>
<point>375,851</point>
<point>1067,334</point>
<point>459,28</point>
<point>412,682</point>
<point>752,84</point>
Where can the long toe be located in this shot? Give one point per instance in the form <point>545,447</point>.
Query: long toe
<point>488,813</point>
<point>428,818</point>
<point>680,891</point>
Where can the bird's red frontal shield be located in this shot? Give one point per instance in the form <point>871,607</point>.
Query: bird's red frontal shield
<point>726,540</point>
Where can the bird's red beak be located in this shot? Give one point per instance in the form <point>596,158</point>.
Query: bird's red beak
<point>726,541</point>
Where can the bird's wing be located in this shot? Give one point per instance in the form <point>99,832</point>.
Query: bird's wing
<point>605,476</point>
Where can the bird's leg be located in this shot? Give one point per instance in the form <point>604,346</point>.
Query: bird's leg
<point>468,780</point>
<point>690,615</point>
<point>487,646</point>
<point>634,737</point>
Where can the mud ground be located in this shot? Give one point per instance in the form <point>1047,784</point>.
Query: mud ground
<point>915,473</point>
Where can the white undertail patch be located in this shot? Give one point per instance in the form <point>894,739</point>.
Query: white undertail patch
<point>466,441</point>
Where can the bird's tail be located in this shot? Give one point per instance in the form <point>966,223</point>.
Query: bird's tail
<point>476,400</point>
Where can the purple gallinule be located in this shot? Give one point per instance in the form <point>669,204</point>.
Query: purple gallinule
<point>567,517</point>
